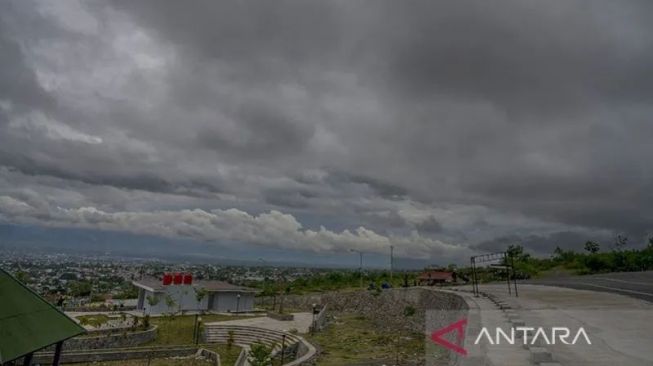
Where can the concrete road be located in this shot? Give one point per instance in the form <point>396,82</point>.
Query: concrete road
<point>619,326</point>
<point>634,284</point>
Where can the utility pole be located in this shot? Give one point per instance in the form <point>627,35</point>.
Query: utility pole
<point>283,347</point>
<point>360,266</point>
<point>391,263</point>
<point>505,260</point>
<point>514,275</point>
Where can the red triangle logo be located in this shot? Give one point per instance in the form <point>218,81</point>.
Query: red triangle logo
<point>460,336</point>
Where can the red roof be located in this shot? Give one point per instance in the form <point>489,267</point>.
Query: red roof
<point>435,275</point>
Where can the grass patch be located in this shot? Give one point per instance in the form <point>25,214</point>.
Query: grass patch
<point>353,339</point>
<point>228,356</point>
<point>93,320</point>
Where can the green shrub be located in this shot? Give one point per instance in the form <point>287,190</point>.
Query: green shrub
<point>260,355</point>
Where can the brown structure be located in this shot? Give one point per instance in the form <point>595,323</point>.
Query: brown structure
<point>436,277</point>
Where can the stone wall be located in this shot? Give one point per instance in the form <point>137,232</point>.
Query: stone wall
<point>213,357</point>
<point>303,355</point>
<point>114,355</point>
<point>109,338</point>
<point>387,308</point>
<point>242,357</point>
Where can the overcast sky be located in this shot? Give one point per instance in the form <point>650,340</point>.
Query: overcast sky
<point>443,128</point>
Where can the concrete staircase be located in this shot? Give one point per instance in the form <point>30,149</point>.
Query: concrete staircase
<point>246,336</point>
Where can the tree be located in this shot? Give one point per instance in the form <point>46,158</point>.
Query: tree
<point>260,355</point>
<point>80,288</point>
<point>517,252</point>
<point>620,242</point>
<point>23,276</point>
<point>170,302</point>
<point>591,246</point>
<point>200,294</point>
<point>558,252</point>
<point>286,291</point>
<point>152,300</point>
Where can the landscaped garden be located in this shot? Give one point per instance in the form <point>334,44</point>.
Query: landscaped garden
<point>172,330</point>
<point>178,330</point>
<point>95,320</point>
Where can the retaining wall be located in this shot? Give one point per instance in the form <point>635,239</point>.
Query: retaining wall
<point>109,338</point>
<point>210,355</point>
<point>115,355</point>
<point>387,307</point>
<point>242,357</point>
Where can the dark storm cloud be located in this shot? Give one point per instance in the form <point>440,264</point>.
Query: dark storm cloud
<point>292,198</point>
<point>525,56</point>
<point>418,117</point>
<point>18,81</point>
<point>430,226</point>
<point>261,132</point>
<point>381,188</point>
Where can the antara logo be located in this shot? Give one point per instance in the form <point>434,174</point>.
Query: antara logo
<point>556,334</point>
<point>561,333</point>
<point>457,326</point>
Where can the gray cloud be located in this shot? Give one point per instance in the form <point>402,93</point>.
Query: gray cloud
<point>529,117</point>
<point>430,225</point>
<point>267,229</point>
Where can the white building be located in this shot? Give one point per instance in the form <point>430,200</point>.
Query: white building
<point>156,298</point>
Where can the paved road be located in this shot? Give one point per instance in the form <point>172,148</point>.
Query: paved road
<point>634,284</point>
<point>619,326</point>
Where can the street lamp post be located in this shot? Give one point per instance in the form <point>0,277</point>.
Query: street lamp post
<point>360,266</point>
<point>237,302</point>
<point>195,328</point>
<point>391,262</point>
<point>313,321</point>
<point>197,332</point>
<point>283,347</point>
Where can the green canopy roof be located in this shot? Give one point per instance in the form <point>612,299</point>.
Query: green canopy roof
<point>28,322</point>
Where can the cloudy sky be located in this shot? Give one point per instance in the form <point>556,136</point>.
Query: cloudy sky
<point>443,128</point>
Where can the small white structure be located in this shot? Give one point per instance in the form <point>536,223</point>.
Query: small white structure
<point>163,296</point>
